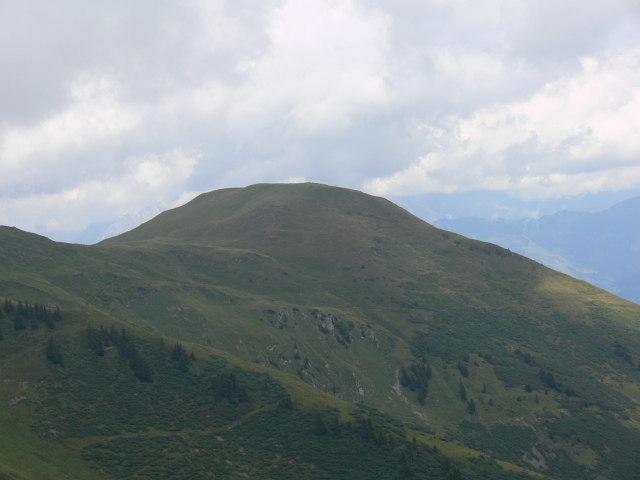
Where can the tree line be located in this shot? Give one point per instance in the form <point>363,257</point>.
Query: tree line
<point>32,315</point>
<point>99,339</point>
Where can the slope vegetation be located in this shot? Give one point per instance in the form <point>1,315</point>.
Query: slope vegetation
<point>482,352</point>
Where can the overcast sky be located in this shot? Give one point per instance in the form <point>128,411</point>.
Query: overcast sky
<point>109,107</point>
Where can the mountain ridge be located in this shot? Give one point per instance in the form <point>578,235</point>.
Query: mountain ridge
<point>355,296</point>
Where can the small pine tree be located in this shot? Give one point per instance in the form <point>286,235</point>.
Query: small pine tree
<point>336,427</point>
<point>143,371</point>
<point>177,352</point>
<point>8,306</point>
<point>19,323</point>
<point>551,382</point>
<point>113,336</point>
<point>422,396</point>
<point>320,428</point>
<point>47,318</point>
<point>91,337</point>
<point>104,336</point>
<point>471,407</point>
<point>463,392</point>
<point>286,403</point>
<point>53,353</point>
<point>405,469</point>
<point>183,363</point>
<point>404,378</point>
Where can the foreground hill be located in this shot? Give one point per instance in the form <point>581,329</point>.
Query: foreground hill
<point>85,401</point>
<point>602,248</point>
<point>477,349</point>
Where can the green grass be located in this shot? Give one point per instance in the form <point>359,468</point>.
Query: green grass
<point>92,418</point>
<point>255,273</point>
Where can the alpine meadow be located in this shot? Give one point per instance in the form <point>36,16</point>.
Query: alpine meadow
<point>308,331</point>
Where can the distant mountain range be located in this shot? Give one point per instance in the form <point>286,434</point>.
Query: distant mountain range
<point>97,232</point>
<point>602,248</point>
<point>131,221</point>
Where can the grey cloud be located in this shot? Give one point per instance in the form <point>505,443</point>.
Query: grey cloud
<point>265,91</point>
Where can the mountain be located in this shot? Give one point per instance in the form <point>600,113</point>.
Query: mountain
<point>97,232</point>
<point>130,221</point>
<point>602,248</point>
<point>433,207</point>
<point>365,316</point>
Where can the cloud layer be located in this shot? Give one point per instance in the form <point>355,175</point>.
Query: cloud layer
<point>106,108</point>
<point>578,134</point>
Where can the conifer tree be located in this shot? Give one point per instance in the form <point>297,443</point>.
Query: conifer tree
<point>143,371</point>
<point>113,336</point>
<point>18,322</point>
<point>53,353</point>
<point>463,392</point>
<point>47,318</point>
<point>8,306</point>
<point>336,427</point>
<point>422,396</point>
<point>92,338</point>
<point>405,469</point>
<point>177,352</point>
<point>104,336</point>
<point>320,428</point>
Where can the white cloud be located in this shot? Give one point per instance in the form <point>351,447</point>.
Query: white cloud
<point>295,180</point>
<point>469,68</point>
<point>148,179</point>
<point>577,134</point>
<point>326,64</point>
<point>94,115</point>
<point>418,96</point>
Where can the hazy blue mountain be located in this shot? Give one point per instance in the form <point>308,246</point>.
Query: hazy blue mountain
<point>491,205</point>
<point>602,248</point>
<point>131,221</point>
<point>97,232</point>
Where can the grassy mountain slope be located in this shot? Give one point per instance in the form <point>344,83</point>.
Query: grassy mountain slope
<point>351,294</point>
<point>88,414</point>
